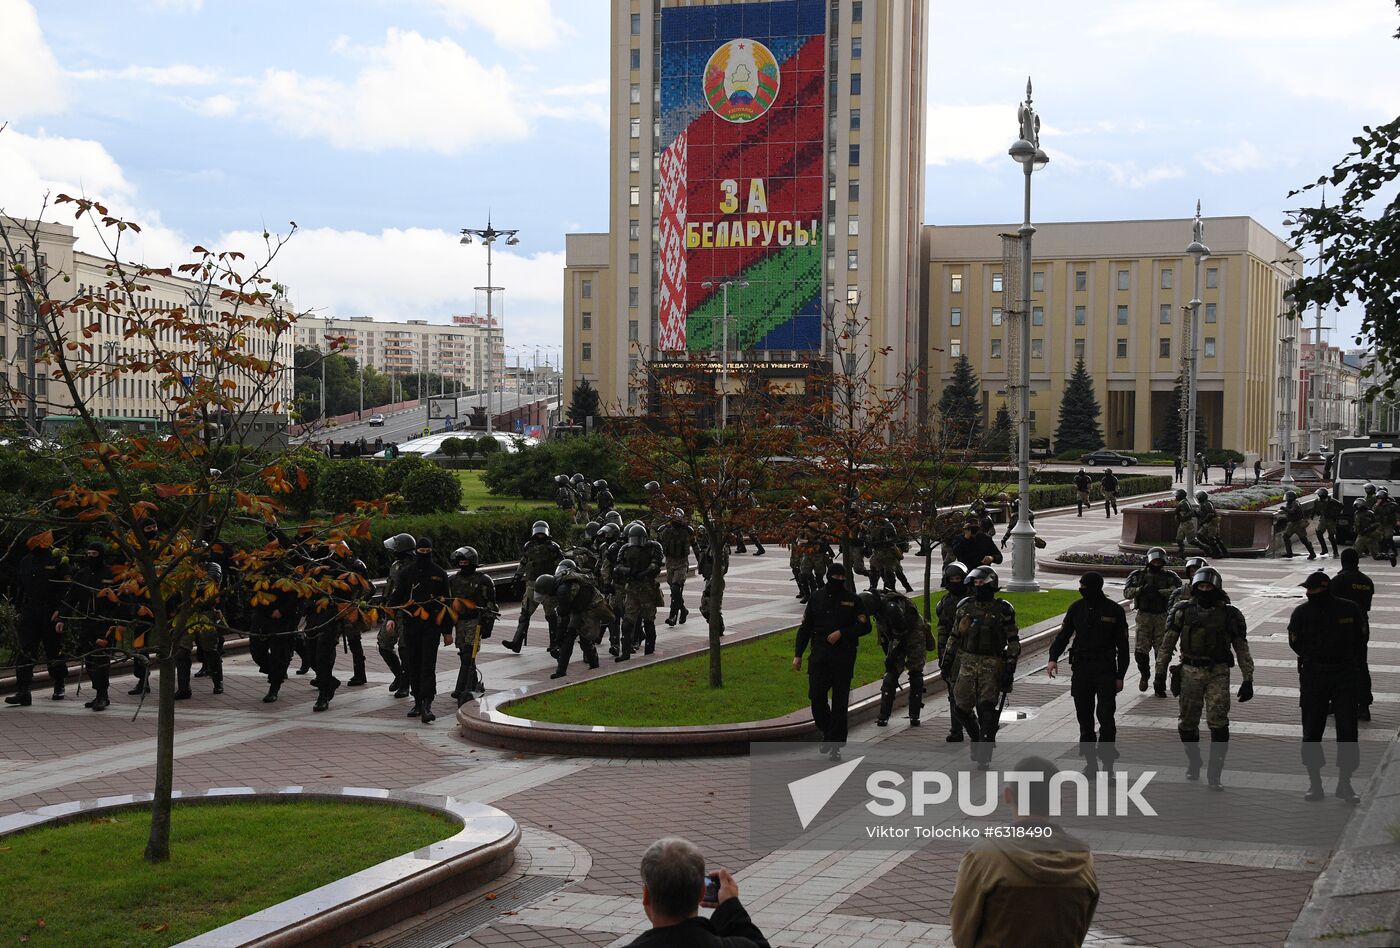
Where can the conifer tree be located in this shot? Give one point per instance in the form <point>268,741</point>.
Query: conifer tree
<point>1079,414</point>
<point>960,406</point>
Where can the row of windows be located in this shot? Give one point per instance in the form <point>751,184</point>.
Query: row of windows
<point>1210,313</point>
<point>1081,280</point>
<point>1164,348</point>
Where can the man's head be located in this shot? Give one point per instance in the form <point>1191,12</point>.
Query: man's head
<point>1034,802</point>
<point>1317,584</point>
<point>1091,585</point>
<point>673,880</point>
<point>1350,559</point>
<point>970,527</point>
<point>836,573</point>
<point>1156,559</point>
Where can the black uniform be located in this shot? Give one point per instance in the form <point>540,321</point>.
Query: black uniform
<point>971,550</point>
<point>1356,586</point>
<point>1329,635</point>
<point>420,603</point>
<point>1095,630</point>
<point>42,584</point>
<point>1082,483</point>
<point>1110,494</point>
<point>274,628</point>
<point>93,617</point>
<point>833,608</point>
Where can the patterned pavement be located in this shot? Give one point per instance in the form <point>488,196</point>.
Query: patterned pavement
<point>588,820</point>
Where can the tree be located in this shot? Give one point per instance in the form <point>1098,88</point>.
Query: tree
<point>960,406</point>
<point>1173,433</point>
<point>432,490</point>
<point>1001,437</point>
<point>584,403</point>
<point>452,447</point>
<point>346,484</point>
<point>1359,241</point>
<point>157,499</point>
<point>1079,414</point>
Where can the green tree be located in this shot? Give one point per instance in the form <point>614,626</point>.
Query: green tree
<point>999,439</point>
<point>453,447</point>
<point>344,484</point>
<point>584,403</point>
<point>1169,439</point>
<point>1079,414</point>
<point>400,468</point>
<point>432,490</point>
<point>960,406</point>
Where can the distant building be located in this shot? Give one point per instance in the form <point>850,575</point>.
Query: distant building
<point>456,350</point>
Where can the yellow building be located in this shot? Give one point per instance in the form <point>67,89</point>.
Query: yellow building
<point>1115,293</point>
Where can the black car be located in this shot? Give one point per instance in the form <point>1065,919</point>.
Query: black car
<point>1108,459</point>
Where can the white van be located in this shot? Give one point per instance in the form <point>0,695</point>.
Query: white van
<point>1377,463</point>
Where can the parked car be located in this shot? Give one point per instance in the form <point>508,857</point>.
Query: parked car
<point>376,420</point>
<point>1108,459</point>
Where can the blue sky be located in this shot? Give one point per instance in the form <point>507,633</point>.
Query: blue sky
<point>382,126</point>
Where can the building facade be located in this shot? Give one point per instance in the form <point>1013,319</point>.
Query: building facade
<point>458,350</point>
<point>1329,392</point>
<point>1116,294</point>
<point>774,146</point>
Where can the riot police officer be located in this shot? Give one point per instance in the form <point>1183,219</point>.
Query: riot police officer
<point>275,621</point>
<point>540,555</point>
<point>677,537</point>
<point>1386,511</point>
<point>474,599</point>
<point>905,639</point>
<point>1329,636</point>
<point>42,586</point>
<point>1295,524</point>
<point>884,551</point>
<point>954,582</point>
<point>1110,493</point>
<point>710,561</point>
<point>1329,511</point>
<point>1352,584</point>
<point>1082,483</point>
<point>988,644</point>
<point>749,499</point>
<point>1193,565</point>
<point>1208,526</point>
<point>1095,630</point>
<point>582,610</point>
<point>94,617</point>
<point>638,565</point>
<point>421,602</point>
<point>401,547</point>
<point>1150,588</point>
<point>1212,637</point>
<point>1185,522</point>
<point>345,618</point>
<point>603,497</point>
<point>832,625</point>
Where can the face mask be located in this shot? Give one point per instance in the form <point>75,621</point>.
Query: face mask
<point>956,588</point>
<point>94,561</point>
<point>1209,598</point>
<point>835,580</point>
<point>424,555</point>
<point>468,567</point>
<point>1155,567</point>
<point>985,592</point>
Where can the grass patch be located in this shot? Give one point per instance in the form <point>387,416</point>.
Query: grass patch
<point>759,682</point>
<point>475,495</point>
<point>85,883</point>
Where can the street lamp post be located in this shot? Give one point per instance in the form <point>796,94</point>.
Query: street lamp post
<point>488,235</point>
<point>1289,379</point>
<point>1028,153</point>
<point>326,346</point>
<point>724,286</point>
<point>1197,251</point>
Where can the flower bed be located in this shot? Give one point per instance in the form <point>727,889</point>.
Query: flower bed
<point>1250,497</point>
<point>1133,560</point>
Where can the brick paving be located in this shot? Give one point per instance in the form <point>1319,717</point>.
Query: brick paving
<point>606,811</point>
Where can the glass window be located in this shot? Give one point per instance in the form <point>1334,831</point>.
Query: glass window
<point>1167,278</point>
<point>852,294</point>
<point>996,282</point>
<point>587,323</point>
<point>1081,316</point>
<point>955,317</point>
<point>633,297</point>
<point>1081,280</point>
<point>855,83</point>
<point>1164,348</point>
<point>955,348</point>
<point>1079,348</point>
<point>586,290</point>
<point>1164,314</point>
<point>1037,348</point>
<point>1038,281</point>
<point>1210,312</point>
<point>853,190</point>
<point>855,47</point>
<point>1122,279</point>
<point>996,348</point>
<point>635,128</point>
<point>634,230</point>
<point>1122,348</point>
<point>634,263</point>
<point>636,59</point>
<point>636,93</point>
<point>855,119</point>
<point>955,283</point>
<point>634,196</point>
<point>996,315</point>
<point>852,260</point>
<point>1210,347</point>
<point>632,330</point>
<point>857,11</point>
<point>1212,278</point>
<point>587,352</point>
<point>853,226</point>
<point>1122,315</point>
<point>855,155</point>
<point>1037,315</point>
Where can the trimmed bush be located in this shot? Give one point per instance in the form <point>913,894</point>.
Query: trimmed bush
<point>432,490</point>
<point>530,472</point>
<point>344,482</point>
<point>487,445</point>
<point>497,537</point>
<point>304,468</point>
<point>398,470</point>
<point>1058,495</point>
<point>453,447</point>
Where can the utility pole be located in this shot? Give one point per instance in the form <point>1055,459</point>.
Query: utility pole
<point>488,235</point>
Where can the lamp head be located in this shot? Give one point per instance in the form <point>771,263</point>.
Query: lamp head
<point>1197,251</point>
<point>1022,151</point>
<point>466,239</point>
<point>512,241</point>
<point>1040,160</point>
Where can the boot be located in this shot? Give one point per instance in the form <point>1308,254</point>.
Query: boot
<point>415,711</point>
<point>358,678</point>
<point>1288,547</point>
<point>1315,791</point>
<point>141,688</point>
<point>566,652</point>
<point>649,633</point>
<point>21,700</point>
<point>59,692</point>
<point>553,624</point>
<point>916,699</point>
<point>1308,546</point>
<point>322,704</point>
<point>685,613</point>
<point>183,694</point>
<point>1322,544</point>
<point>758,549</point>
<point>887,693</point>
<point>203,672</point>
<point>1159,683</point>
<point>1180,547</point>
<point>675,607</point>
<point>1363,713</point>
<point>100,703</point>
<point>1344,790</point>
<point>1144,670</point>
<point>391,658</point>
<point>218,686</point>
<point>1191,744</point>
<point>427,716</point>
<point>272,691</point>
<point>465,676</point>
<point>518,639</point>
<point>625,642</point>
<point>1219,747</point>
<point>590,654</point>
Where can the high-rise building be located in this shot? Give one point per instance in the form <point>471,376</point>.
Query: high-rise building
<point>1115,294</point>
<point>456,350</point>
<point>766,166</point>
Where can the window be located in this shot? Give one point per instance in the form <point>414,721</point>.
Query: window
<point>1212,278</point>
<point>1167,279</point>
<point>853,227</point>
<point>1164,314</point>
<point>853,190</point>
<point>1037,348</point>
<point>1081,280</point>
<point>1038,281</point>
<point>1122,315</point>
<point>587,323</point>
<point>857,9</point>
<point>1078,349</point>
<point>996,282</point>
<point>636,24</point>
<point>855,119</point>
<point>634,230</point>
<point>1122,279</point>
<point>635,128</point>
<point>634,196</point>
<point>1037,315</point>
<point>852,294</point>
<point>996,315</point>
<point>855,47</point>
<point>1031,418</point>
<point>1164,348</point>
<point>852,260</point>
<point>996,348</point>
<point>636,59</point>
<point>1081,316</point>
<point>1210,312</point>
<point>955,317</point>
<point>587,352</point>
<point>1122,348</point>
<point>855,83</point>
<point>634,263</point>
<point>632,330</point>
<point>1210,347</point>
<point>955,283</point>
<point>636,93</point>
<point>855,155</point>
<point>586,290</point>
<point>955,348</point>
<point>633,297</point>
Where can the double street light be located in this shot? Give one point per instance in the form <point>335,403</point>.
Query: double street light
<point>488,235</point>
<point>1197,251</point>
<point>1028,153</point>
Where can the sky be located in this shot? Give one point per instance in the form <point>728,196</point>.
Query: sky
<point>382,127</point>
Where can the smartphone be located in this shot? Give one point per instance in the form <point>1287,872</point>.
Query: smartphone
<point>711,897</point>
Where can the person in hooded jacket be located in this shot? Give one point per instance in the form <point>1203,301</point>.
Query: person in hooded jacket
<point>832,625</point>
<point>421,604</point>
<point>1095,630</point>
<point>1353,585</point>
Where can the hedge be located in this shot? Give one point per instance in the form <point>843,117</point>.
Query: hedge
<point>497,537</point>
<point>343,483</point>
<point>1063,495</point>
<point>530,471</point>
<point>432,490</point>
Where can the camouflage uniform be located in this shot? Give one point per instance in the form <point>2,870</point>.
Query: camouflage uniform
<point>539,556</point>
<point>1383,533</point>
<point>905,638</point>
<point>707,564</point>
<point>1150,591</point>
<point>473,597</point>
<point>1329,511</point>
<point>884,556</point>
<point>1185,524</point>
<point>388,641</point>
<point>1365,523</point>
<point>985,637</point>
<point>947,662</point>
<point>638,567</point>
<point>676,538</point>
<point>583,611</point>
<point>816,555</point>
<point>1208,526</point>
<point>1295,525</point>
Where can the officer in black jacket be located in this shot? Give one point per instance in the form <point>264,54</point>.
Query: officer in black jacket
<point>421,602</point>
<point>1356,586</point>
<point>1098,655</point>
<point>975,548</point>
<point>832,625</point>
<point>94,617</point>
<point>42,585</point>
<point>1329,636</point>
<point>275,615</point>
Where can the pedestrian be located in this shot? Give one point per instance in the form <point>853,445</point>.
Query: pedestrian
<point>1327,466</point>
<point>1258,469</point>
<point>474,600</point>
<point>987,643</point>
<point>1329,636</point>
<point>1180,468</point>
<point>674,883</point>
<point>1150,589</point>
<point>955,586</point>
<point>1209,630</point>
<point>1329,511</point>
<point>975,548</point>
<point>420,602</point>
<point>1353,585</point>
<point>832,625</point>
<point>677,538</point>
<point>905,639</point>
<point>1229,470</point>
<point>1110,493</point>
<point>1095,630</point>
<point>538,556</point>
<point>1082,483</point>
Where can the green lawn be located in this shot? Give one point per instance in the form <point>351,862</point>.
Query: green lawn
<point>475,495</point>
<point>759,682</point>
<point>85,883</point>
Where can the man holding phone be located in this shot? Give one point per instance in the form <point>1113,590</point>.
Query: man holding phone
<point>832,625</point>
<point>675,886</point>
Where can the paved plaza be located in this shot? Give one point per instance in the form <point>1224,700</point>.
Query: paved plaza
<point>587,821</point>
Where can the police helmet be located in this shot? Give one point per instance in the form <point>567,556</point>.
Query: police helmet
<point>1195,564</point>
<point>545,584</point>
<point>1370,488</point>
<point>467,554</point>
<point>652,485</point>
<point>954,572</point>
<point>678,515</point>
<point>1383,492</point>
<point>636,534</point>
<point>401,543</point>
<point>1205,575</point>
<point>561,479</point>
<point>984,575</point>
<point>539,527</point>
<point>1180,494</point>
<point>600,484</point>
<point>614,518</point>
<point>744,482</point>
<point>869,602</point>
<point>590,530</point>
<point>215,572</point>
<point>1200,496</point>
<point>578,479</point>
<point>1108,470</point>
<point>1322,493</point>
<point>1155,554</point>
<point>609,531</point>
<point>1289,496</point>
<point>565,565</point>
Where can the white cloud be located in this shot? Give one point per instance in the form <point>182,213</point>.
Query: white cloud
<point>1241,156</point>
<point>979,133</point>
<point>586,102</point>
<point>30,81</point>
<point>176,6</point>
<point>519,24</point>
<point>214,106</point>
<point>180,74</point>
<point>413,93</point>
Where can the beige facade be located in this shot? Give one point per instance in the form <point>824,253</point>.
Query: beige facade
<point>874,170</point>
<point>456,351</point>
<point>1115,293</point>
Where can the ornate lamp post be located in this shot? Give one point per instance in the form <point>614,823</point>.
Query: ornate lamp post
<point>1197,251</point>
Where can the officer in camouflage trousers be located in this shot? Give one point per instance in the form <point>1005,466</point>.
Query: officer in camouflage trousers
<point>905,639</point>
<point>1185,522</point>
<point>1183,592</point>
<point>401,546</point>
<point>1383,533</point>
<point>1212,637</point>
<point>954,582</point>
<point>1208,526</point>
<point>540,555</point>
<point>883,540</point>
<point>1295,524</point>
<point>707,564</point>
<point>1329,511</point>
<point>815,557</point>
<point>609,544</point>
<point>1150,589</point>
<point>638,565</point>
<point>1109,483</point>
<point>987,643</point>
<point>474,601</point>
<point>1082,483</point>
<point>582,610</point>
<point>95,617</point>
<point>677,537</point>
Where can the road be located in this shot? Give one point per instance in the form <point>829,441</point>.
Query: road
<point>406,425</point>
